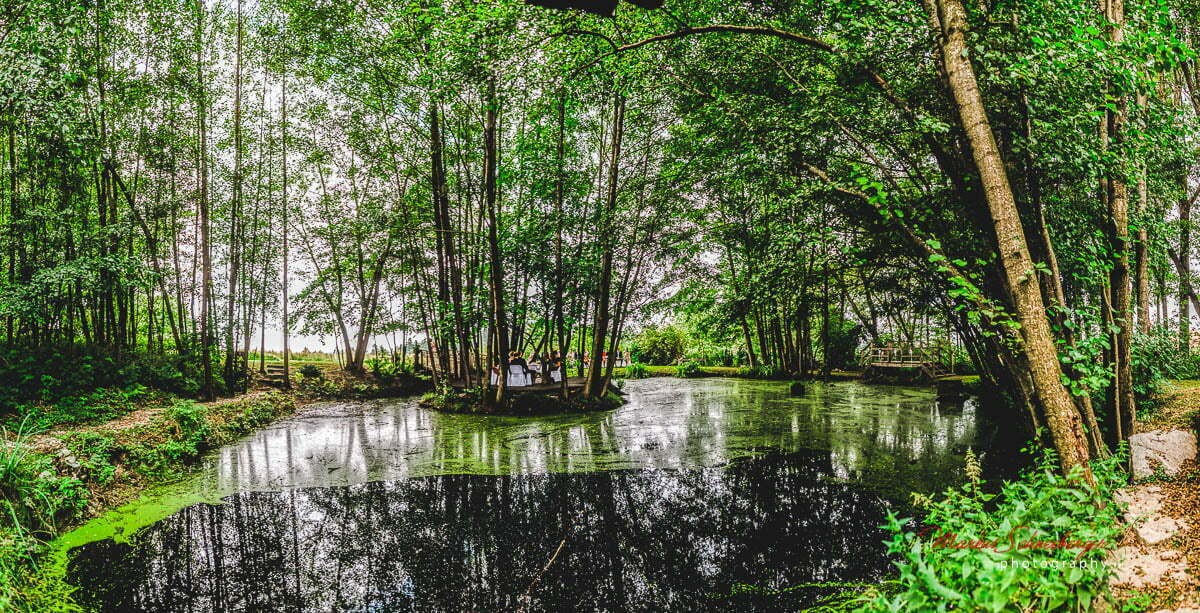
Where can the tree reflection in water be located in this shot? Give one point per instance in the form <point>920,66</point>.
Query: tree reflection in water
<point>691,489</point>
<point>658,539</point>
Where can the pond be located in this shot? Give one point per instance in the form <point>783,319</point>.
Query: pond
<point>697,494</point>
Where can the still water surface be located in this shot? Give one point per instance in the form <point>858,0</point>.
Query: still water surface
<point>697,494</point>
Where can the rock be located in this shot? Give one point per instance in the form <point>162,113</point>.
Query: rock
<point>1140,569</point>
<point>797,388</point>
<point>1180,610</point>
<point>1140,501</point>
<point>1159,529</point>
<point>1161,449</point>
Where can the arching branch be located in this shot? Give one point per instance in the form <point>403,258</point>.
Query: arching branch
<point>759,30</point>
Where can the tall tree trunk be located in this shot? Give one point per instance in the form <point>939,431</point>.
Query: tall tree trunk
<point>231,378</point>
<point>1118,206</point>
<point>594,386</point>
<point>209,392</point>
<point>283,290</point>
<point>499,323</point>
<point>1020,276</point>
<point>1185,266</point>
<point>1141,254</point>
<point>559,196</point>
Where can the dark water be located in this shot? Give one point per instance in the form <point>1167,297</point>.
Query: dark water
<point>674,502</point>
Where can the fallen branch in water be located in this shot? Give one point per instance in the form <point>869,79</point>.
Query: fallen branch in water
<point>525,598</point>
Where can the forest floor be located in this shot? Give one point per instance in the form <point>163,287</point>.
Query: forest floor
<point>1163,535</point>
<point>1177,407</point>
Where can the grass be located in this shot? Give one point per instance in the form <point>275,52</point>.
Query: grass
<point>41,494</point>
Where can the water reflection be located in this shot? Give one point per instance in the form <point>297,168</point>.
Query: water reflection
<point>633,540</point>
<point>690,489</point>
<point>890,437</point>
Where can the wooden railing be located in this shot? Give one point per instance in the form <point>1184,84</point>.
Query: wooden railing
<point>905,356</point>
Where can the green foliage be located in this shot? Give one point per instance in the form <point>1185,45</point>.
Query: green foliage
<point>387,371</point>
<point>93,453</point>
<point>688,370</point>
<point>33,497</point>
<point>320,387</point>
<point>72,373</point>
<point>637,370</point>
<point>311,371</point>
<point>1158,356</point>
<point>844,338</point>
<point>23,585</point>
<point>980,551</point>
<point>1137,602</point>
<point>93,407</point>
<point>1092,375</point>
<point>769,371</point>
<point>189,418</point>
<point>187,429</point>
<point>660,346</point>
<point>455,400</point>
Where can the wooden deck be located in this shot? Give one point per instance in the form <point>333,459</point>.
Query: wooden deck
<point>898,357</point>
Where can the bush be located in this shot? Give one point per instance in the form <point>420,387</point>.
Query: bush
<point>637,370</point>
<point>48,375</point>
<point>95,406</point>
<point>768,371</point>
<point>659,345</point>
<point>844,337</point>
<point>947,570</point>
<point>189,431</point>
<point>311,371</point>
<point>33,497</point>
<point>1157,356</point>
<point>762,371</point>
<point>688,370</point>
<point>93,453</point>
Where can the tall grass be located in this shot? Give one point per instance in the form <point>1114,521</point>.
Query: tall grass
<point>34,499</point>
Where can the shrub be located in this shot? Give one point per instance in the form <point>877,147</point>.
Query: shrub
<point>768,371</point>
<point>93,452</point>
<point>189,418</point>
<point>311,371</point>
<point>688,370</point>
<point>664,345</point>
<point>844,338</point>
<point>1157,356</point>
<point>319,387</point>
<point>33,497</point>
<point>95,406</point>
<point>1042,505</point>
<point>637,370</point>
<point>46,375</point>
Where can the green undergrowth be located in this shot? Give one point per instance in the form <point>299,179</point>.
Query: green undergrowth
<point>472,401</point>
<point>695,370</point>
<point>1040,544</point>
<point>314,383</point>
<point>96,406</point>
<point>44,494</point>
